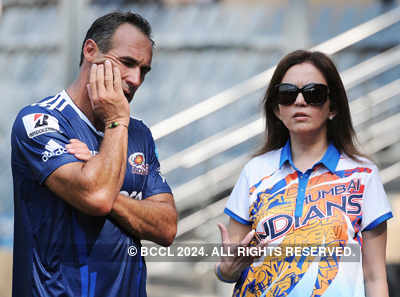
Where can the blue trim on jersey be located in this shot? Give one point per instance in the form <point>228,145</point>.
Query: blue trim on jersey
<point>139,279</point>
<point>93,276</point>
<point>286,154</point>
<point>84,280</point>
<point>236,217</point>
<point>80,241</point>
<point>379,220</point>
<point>301,192</point>
<point>329,160</point>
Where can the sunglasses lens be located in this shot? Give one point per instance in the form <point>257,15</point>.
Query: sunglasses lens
<point>286,94</point>
<point>315,94</point>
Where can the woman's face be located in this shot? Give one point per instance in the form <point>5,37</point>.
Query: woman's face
<point>300,117</point>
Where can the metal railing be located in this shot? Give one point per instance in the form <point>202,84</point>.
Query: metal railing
<point>259,81</point>
<point>210,183</point>
<point>187,194</point>
<point>230,137</point>
<point>365,103</point>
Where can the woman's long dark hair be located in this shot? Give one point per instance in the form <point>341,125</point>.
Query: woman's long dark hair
<point>340,129</point>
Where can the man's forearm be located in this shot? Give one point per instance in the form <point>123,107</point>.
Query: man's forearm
<point>93,186</point>
<point>107,168</point>
<point>110,107</point>
<point>154,218</point>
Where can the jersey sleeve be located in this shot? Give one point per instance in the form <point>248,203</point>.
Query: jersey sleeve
<point>39,138</point>
<point>238,203</point>
<point>155,183</point>
<point>375,208</point>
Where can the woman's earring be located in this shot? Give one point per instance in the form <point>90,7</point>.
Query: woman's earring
<point>331,117</point>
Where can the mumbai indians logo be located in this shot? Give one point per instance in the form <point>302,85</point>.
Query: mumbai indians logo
<point>138,164</point>
<point>278,225</point>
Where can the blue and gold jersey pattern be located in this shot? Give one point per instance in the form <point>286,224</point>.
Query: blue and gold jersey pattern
<point>59,251</point>
<point>328,205</point>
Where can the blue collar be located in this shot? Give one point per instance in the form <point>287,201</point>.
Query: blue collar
<point>329,160</point>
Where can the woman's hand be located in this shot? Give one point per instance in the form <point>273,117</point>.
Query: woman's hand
<point>231,267</point>
<point>79,149</point>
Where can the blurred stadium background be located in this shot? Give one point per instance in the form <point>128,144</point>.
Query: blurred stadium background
<point>211,65</point>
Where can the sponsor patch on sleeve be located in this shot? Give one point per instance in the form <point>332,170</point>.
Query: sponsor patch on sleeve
<point>40,123</point>
<point>53,148</point>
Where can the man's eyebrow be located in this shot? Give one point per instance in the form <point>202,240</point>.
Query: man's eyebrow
<point>131,60</point>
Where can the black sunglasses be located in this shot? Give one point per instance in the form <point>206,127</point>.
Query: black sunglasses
<point>314,94</point>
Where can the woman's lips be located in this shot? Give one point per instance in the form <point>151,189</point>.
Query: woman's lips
<point>301,115</point>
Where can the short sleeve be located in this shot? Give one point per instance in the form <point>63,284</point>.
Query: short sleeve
<point>375,208</point>
<point>155,183</point>
<point>39,139</point>
<point>238,203</point>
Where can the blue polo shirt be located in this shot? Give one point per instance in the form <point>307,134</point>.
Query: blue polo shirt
<point>58,250</point>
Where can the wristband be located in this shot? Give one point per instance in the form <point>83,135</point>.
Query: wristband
<point>115,124</point>
<point>219,275</point>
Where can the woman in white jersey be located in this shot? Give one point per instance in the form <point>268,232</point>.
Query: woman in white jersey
<point>308,187</point>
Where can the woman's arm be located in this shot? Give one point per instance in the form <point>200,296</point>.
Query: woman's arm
<point>374,261</point>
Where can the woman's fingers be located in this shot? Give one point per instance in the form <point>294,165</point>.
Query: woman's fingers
<point>246,240</point>
<point>224,234</point>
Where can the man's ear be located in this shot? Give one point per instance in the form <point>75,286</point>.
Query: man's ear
<point>90,50</point>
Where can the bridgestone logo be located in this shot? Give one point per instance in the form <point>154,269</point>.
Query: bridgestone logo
<point>41,131</point>
<point>40,123</point>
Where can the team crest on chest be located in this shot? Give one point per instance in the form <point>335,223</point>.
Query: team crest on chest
<point>138,163</point>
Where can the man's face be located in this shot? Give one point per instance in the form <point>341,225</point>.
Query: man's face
<point>131,52</point>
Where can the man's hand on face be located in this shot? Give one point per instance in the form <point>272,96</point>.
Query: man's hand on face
<point>106,95</point>
<point>129,90</point>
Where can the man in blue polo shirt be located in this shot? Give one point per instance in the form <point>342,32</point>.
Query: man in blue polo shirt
<point>75,221</point>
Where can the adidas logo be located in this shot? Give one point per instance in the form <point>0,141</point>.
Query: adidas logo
<point>53,148</point>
